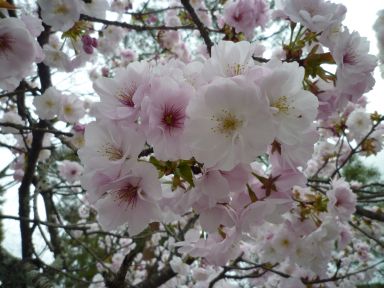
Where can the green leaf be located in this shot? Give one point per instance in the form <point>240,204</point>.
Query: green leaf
<point>185,172</point>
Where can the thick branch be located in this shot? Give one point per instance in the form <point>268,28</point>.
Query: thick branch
<point>53,233</point>
<point>31,161</point>
<point>200,26</point>
<point>369,214</point>
<point>14,272</point>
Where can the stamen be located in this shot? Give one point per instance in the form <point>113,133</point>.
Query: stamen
<point>128,194</point>
<point>173,117</point>
<point>235,70</point>
<point>125,96</point>
<point>61,9</point>
<point>227,123</point>
<point>111,152</point>
<point>5,42</point>
<point>282,105</point>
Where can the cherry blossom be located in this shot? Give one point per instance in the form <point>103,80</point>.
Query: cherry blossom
<point>294,109</point>
<point>131,199</point>
<point>18,50</point>
<point>48,104</point>
<point>71,108</point>
<point>60,14</point>
<point>229,124</point>
<point>355,65</point>
<point>342,201</point>
<point>316,15</point>
<point>164,115</point>
<point>229,59</point>
<point>70,170</point>
<point>359,123</point>
<point>121,96</point>
<point>246,15</point>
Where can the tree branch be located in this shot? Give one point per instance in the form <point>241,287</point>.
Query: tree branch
<point>200,26</point>
<point>138,28</point>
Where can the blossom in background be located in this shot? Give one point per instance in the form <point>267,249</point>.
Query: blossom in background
<point>60,14</point>
<point>359,123</point>
<point>71,109</point>
<point>70,171</point>
<point>18,50</point>
<point>48,104</point>
<point>11,117</point>
<point>379,29</point>
<point>316,15</point>
<point>342,201</point>
<point>95,8</point>
<point>354,65</point>
<point>246,15</point>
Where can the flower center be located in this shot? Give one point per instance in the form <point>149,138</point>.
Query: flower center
<point>168,119</point>
<point>227,123</point>
<point>125,95</point>
<point>68,110</point>
<point>349,58</point>
<point>128,194</point>
<point>111,152</point>
<point>173,117</point>
<point>281,104</point>
<point>49,103</point>
<point>235,69</point>
<point>61,9</point>
<point>237,17</point>
<point>5,42</point>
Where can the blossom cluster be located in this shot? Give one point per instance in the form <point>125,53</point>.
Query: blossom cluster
<point>252,146</point>
<point>174,137</point>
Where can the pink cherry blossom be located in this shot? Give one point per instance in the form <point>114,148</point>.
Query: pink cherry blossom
<point>316,15</point>
<point>246,15</point>
<point>70,171</point>
<point>131,199</point>
<point>60,14</point>
<point>294,109</point>
<point>229,123</point>
<point>71,109</point>
<point>285,156</point>
<point>18,50</point>
<point>121,96</point>
<point>163,117</point>
<point>229,59</point>
<point>354,64</point>
<point>48,104</point>
<point>107,143</point>
<point>342,201</point>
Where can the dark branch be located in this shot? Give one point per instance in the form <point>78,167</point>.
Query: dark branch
<point>369,214</point>
<point>204,32</point>
<point>138,28</point>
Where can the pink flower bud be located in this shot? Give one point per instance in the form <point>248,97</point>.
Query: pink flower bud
<point>88,49</point>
